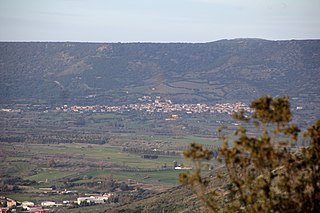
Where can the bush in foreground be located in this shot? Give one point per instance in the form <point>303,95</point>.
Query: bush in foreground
<point>265,173</point>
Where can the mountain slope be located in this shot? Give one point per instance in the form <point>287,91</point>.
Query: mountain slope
<point>106,73</point>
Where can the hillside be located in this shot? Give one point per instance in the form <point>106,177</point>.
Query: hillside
<point>116,73</point>
<point>177,199</point>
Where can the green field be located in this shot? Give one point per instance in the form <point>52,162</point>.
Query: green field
<point>79,163</point>
<point>169,177</point>
<point>49,175</point>
<point>88,164</point>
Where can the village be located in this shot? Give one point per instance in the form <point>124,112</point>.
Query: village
<point>158,104</point>
<point>11,205</point>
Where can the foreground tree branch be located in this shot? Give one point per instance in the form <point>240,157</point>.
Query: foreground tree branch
<point>266,173</point>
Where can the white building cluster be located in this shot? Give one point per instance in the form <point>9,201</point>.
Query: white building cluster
<point>45,206</point>
<point>159,105</point>
<point>94,199</point>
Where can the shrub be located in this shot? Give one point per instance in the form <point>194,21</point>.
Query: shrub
<point>266,173</point>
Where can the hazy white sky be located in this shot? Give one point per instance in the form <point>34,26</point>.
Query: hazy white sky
<point>157,20</point>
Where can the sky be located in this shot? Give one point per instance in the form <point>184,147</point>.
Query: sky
<point>158,20</point>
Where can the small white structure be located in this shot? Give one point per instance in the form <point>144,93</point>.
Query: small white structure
<point>66,202</point>
<point>48,203</point>
<point>182,168</point>
<point>85,199</point>
<point>94,199</point>
<point>26,204</point>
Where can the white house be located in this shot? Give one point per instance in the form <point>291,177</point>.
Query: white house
<point>26,204</point>
<point>48,203</point>
<point>94,199</point>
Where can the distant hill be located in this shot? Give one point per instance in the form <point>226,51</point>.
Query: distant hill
<point>119,73</point>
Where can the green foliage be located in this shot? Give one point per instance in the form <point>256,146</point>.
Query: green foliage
<point>197,154</point>
<point>266,173</point>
